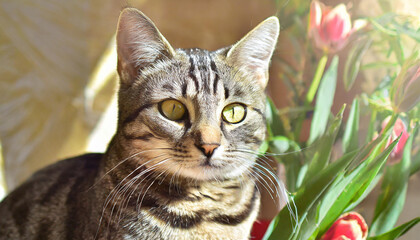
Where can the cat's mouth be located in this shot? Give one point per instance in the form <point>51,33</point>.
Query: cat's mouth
<point>208,162</point>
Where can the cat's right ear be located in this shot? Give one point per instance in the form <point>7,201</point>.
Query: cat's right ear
<point>139,44</point>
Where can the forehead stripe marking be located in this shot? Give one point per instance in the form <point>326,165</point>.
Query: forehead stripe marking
<point>184,89</point>
<point>216,76</point>
<point>226,93</point>
<point>192,75</point>
<point>205,76</point>
<point>201,60</point>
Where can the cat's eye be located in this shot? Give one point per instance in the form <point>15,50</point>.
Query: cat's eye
<point>234,113</point>
<point>172,109</point>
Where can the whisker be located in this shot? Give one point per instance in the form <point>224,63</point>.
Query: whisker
<point>280,187</point>
<point>149,187</point>
<point>137,168</point>
<point>260,156</point>
<point>113,193</point>
<point>121,162</point>
<point>266,185</point>
<point>125,203</point>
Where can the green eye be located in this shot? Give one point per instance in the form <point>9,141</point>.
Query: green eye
<point>172,109</point>
<point>234,113</point>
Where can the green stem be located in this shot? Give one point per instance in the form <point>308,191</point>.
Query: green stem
<point>317,79</point>
<point>311,93</point>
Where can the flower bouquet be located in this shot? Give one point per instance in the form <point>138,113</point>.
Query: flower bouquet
<point>331,170</point>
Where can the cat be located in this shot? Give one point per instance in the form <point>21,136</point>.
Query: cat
<point>182,164</point>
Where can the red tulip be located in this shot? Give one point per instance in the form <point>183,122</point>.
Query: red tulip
<point>259,228</point>
<point>331,28</point>
<point>399,129</point>
<point>350,226</point>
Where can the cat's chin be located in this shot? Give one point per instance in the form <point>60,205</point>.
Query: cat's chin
<point>205,172</point>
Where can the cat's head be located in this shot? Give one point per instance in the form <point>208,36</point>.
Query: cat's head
<point>191,112</point>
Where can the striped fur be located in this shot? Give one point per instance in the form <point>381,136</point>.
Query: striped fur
<point>155,181</point>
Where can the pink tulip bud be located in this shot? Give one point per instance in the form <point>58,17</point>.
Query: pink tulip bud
<point>331,28</point>
<point>350,226</point>
<point>398,129</point>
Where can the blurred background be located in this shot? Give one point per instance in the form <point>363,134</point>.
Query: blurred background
<point>58,72</point>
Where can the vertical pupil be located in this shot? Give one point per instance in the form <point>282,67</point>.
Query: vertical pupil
<point>233,112</point>
<point>173,109</point>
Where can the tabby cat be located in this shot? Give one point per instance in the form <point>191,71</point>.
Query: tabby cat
<point>182,162</point>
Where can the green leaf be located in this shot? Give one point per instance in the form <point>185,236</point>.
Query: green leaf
<point>371,128</point>
<point>324,101</point>
<point>351,133</point>
<point>415,159</point>
<point>396,232</point>
<point>364,191</point>
<point>274,124</point>
<point>323,149</point>
<point>283,225</point>
<point>294,169</point>
<point>301,175</point>
<point>309,195</point>
<point>379,64</point>
<point>340,193</point>
<point>401,81</point>
<point>410,96</point>
<point>390,126</point>
<point>378,26</point>
<point>354,59</point>
<point>311,220</point>
<point>413,33</point>
<point>348,189</point>
<point>415,164</point>
<point>396,46</point>
<point>393,192</point>
<point>281,146</point>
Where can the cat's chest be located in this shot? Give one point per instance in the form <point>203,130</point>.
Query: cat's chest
<point>205,215</point>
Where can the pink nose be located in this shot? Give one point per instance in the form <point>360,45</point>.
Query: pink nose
<point>208,149</point>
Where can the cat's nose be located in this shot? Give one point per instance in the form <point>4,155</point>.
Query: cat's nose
<point>207,139</point>
<point>208,149</point>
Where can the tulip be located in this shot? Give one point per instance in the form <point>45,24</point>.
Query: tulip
<point>350,226</point>
<point>398,129</point>
<point>331,28</point>
<point>259,228</point>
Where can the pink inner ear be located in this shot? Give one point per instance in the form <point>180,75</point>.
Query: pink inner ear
<point>262,78</point>
<point>127,72</point>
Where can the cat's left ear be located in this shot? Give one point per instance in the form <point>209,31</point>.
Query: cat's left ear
<point>253,52</point>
